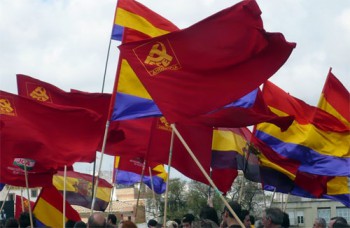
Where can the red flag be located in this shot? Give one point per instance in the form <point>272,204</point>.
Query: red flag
<point>51,136</point>
<point>48,209</point>
<point>191,72</point>
<point>18,206</point>
<point>150,138</point>
<point>335,99</point>
<point>50,94</point>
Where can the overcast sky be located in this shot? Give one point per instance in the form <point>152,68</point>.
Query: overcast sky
<point>65,42</point>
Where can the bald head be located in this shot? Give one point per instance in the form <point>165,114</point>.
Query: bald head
<point>96,220</point>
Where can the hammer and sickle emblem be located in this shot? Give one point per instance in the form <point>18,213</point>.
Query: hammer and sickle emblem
<point>157,56</point>
<point>39,93</point>
<point>5,106</point>
<point>164,122</point>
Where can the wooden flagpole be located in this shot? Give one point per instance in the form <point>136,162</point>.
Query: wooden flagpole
<point>99,168</point>
<point>141,182</point>
<point>273,195</point>
<point>64,196</point>
<point>168,177</point>
<point>22,202</point>
<point>27,186</point>
<point>241,189</point>
<point>285,204</point>
<point>205,174</point>
<point>153,194</point>
<point>111,198</point>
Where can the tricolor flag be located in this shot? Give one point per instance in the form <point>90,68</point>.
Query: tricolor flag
<point>48,209</point>
<point>186,72</point>
<point>79,189</point>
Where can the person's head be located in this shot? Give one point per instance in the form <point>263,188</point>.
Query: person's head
<point>24,220</point>
<point>228,217</point>
<point>272,217</point>
<point>171,224</point>
<point>96,220</point>
<point>252,219</point>
<point>209,213</point>
<point>11,222</point>
<point>245,218</point>
<point>187,220</point>
<point>286,222</point>
<point>128,224</point>
<point>152,223</point>
<point>320,223</point>
<point>258,224</point>
<point>340,222</point>
<point>80,224</point>
<point>69,223</point>
<point>235,207</point>
<point>112,219</point>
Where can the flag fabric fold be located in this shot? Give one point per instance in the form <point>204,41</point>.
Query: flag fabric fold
<point>296,171</point>
<point>133,15</point>
<point>49,94</point>
<point>48,209</point>
<point>316,139</point>
<point>79,189</point>
<point>135,22</point>
<point>51,137</point>
<point>335,99</point>
<point>178,72</point>
<point>18,205</point>
<point>128,171</point>
<point>245,111</point>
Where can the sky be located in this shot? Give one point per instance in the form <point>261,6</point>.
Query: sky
<point>67,43</point>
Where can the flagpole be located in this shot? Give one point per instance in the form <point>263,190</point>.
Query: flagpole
<point>103,86</point>
<point>153,194</point>
<point>64,196</point>
<point>241,189</point>
<point>205,174</point>
<point>263,192</point>
<point>168,177</point>
<point>22,203</point>
<point>285,204</point>
<point>29,206</point>
<point>111,198</point>
<point>273,195</point>
<point>141,181</point>
<point>99,168</point>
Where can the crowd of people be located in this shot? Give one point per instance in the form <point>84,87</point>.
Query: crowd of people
<point>208,218</point>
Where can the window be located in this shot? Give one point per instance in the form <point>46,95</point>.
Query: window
<point>34,193</point>
<point>300,217</point>
<point>324,213</point>
<point>291,218</point>
<point>343,212</point>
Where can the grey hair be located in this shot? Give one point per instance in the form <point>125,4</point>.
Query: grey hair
<point>275,214</point>
<point>321,222</point>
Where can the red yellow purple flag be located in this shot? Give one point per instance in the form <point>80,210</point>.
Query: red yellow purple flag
<point>335,99</point>
<point>79,188</point>
<point>48,209</point>
<point>189,73</point>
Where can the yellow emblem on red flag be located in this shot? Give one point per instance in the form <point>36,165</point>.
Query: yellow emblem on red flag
<point>6,107</point>
<point>158,57</point>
